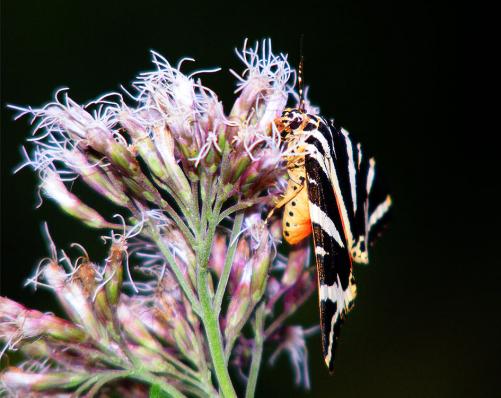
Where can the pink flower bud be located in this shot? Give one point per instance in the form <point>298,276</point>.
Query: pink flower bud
<point>95,176</point>
<point>75,301</point>
<point>297,261</point>
<point>135,329</point>
<point>240,304</point>
<point>16,379</point>
<point>260,263</point>
<point>300,291</point>
<point>55,189</point>
<point>240,261</point>
<point>31,323</point>
<point>218,254</point>
<point>114,273</point>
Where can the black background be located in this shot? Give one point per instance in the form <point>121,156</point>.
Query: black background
<point>425,323</point>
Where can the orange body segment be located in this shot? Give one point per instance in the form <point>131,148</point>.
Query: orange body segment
<point>296,219</point>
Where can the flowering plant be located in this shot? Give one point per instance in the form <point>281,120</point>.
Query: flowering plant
<point>194,283</point>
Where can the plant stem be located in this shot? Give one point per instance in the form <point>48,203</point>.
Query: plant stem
<point>179,222</point>
<point>151,379</point>
<point>257,351</point>
<point>223,280</point>
<point>209,318</point>
<point>106,378</point>
<point>237,207</point>
<point>214,338</point>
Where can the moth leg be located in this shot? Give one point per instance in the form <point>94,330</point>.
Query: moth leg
<point>293,189</point>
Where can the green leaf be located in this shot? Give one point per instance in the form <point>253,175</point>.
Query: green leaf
<point>157,392</point>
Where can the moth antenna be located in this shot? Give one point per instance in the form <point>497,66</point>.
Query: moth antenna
<point>300,79</point>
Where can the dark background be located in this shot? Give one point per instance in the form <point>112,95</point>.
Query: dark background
<point>425,323</point>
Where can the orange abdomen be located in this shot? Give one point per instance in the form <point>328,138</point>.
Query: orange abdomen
<point>296,219</point>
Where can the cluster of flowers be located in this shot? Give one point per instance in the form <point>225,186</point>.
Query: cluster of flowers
<point>195,186</point>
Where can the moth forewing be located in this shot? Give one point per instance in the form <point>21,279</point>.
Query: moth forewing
<point>345,206</point>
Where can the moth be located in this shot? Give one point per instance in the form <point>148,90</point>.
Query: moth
<point>333,193</point>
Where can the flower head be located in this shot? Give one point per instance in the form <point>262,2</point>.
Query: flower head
<point>193,259</point>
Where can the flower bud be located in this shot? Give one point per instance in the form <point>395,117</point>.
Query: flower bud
<point>32,323</point>
<point>16,379</point>
<point>265,172</point>
<point>158,154</point>
<point>273,289</point>
<point>96,178</point>
<point>218,254</point>
<point>264,80</point>
<point>142,142</point>
<point>238,164</point>
<point>240,304</point>
<point>155,323</point>
<point>260,263</point>
<point>152,361</point>
<point>135,329</point>
<point>300,291</point>
<point>38,324</point>
<point>55,189</point>
<point>298,258</point>
<point>174,174</point>
<point>75,301</point>
<point>116,152</point>
<point>114,273</point>
<point>276,229</point>
<point>240,260</point>
<point>178,316</point>
<point>86,275</point>
<point>36,349</point>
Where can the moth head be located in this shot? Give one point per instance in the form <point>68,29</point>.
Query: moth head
<point>291,123</point>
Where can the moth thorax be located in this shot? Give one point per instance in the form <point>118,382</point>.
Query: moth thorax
<point>291,122</point>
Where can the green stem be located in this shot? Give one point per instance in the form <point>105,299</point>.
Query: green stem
<point>187,208</point>
<point>205,187</point>
<point>179,222</point>
<point>195,207</point>
<point>151,379</point>
<point>223,280</point>
<point>104,379</point>
<point>257,352</point>
<point>189,376</point>
<point>192,374</point>
<point>214,338</point>
<point>86,385</point>
<point>209,318</point>
<point>237,207</point>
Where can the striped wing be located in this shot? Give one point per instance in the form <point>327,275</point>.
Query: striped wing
<point>341,186</point>
<point>363,200</point>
